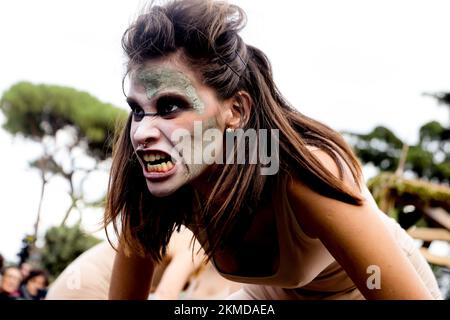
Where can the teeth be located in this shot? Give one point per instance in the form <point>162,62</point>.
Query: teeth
<point>162,167</point>
<point>155,156</point>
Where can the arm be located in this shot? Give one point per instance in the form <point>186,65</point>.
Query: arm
<point>131,277</point>
<point>357,238</point>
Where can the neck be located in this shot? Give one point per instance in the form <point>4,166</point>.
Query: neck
<point>204,184</point>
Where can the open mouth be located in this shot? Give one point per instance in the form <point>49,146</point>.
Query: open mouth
<point>156,161</point>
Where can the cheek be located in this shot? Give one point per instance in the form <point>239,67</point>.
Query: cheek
<point>195,126</point>
<point>213,109</point>
<point>14,283</point>
<point>133,128</point>
<point>212,106</point>
<point>180,126</point>
<point>212,117</point>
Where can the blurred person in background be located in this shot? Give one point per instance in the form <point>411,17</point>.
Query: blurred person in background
<point>9,283</point>
<point>25,269</point>
<point>34,286</point>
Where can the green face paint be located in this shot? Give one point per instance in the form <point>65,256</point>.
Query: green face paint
<point>158,79</point>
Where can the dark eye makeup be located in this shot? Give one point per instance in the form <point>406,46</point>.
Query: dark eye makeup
<point>170,105</point>
<point>167,106</point>
<point>136,110</point>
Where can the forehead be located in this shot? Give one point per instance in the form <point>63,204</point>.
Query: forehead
<point>163,72</point>
<point>12,271</point>
<point>38,278</point>
<point>157,76</point>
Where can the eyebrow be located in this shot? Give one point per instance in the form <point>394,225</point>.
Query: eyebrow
<point>132,101</point>
<point>175,95</point>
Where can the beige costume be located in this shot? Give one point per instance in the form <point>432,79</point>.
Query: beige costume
<point>308,271</point>
<point>88,276</point>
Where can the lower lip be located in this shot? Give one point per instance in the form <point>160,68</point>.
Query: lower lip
<point>159,175</point>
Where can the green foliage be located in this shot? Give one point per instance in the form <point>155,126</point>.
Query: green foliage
<point>431,131</point>
<point>38,110</point>
<point>420,161</point>
<point>63,245</point>
<point>405,200</point>
<point>429,158</point>
<point>383,134</point>
<point>442,171</point>
<point>380,147</point>
<point>415,191</point>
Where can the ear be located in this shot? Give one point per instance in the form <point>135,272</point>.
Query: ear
<point>241,105</point>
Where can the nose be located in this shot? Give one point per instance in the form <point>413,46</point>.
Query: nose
<point>146,130</point>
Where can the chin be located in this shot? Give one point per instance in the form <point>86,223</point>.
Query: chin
<point>160,192</point>
<point>162,189</point>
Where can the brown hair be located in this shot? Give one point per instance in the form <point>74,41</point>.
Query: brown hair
<point>36,273</point>
<point>206,33</point>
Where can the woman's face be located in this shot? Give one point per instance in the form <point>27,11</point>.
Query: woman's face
<point>173,116</point>
<point>35,284</point>
<point>11,280</point>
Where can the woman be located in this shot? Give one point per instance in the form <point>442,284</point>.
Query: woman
<point>10,278</point>
<point>308,230</point>
<point>34,286</point>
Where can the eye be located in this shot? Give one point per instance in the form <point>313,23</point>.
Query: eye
<point>136,110</point>
<point>138,114</point>
<point>169,106</point>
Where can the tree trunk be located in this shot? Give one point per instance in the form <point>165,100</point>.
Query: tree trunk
<point>41,199</point>
<point>402,160</point>
<point>72,196</point>
<point>66,216</point>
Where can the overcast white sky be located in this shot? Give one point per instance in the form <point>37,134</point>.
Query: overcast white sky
<point>351,64</point>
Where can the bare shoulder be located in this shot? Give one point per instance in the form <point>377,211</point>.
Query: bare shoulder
<point>329,163</point>
<point>310,206</point>
<point>356,236</point>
